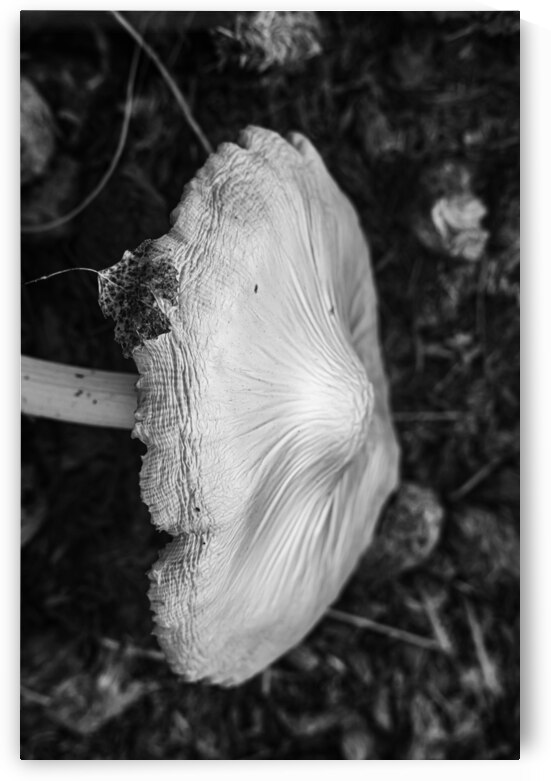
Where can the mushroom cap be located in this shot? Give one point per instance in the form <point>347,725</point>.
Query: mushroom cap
<point>262,402</point>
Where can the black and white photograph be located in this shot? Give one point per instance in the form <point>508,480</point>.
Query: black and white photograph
<point>270,385</point>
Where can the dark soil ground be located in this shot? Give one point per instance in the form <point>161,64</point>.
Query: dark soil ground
<point>393,102</point>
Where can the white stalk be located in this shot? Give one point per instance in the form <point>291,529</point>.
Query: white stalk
<point>77,395</point>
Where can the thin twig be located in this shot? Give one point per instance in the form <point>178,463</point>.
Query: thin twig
<point>181,101</point>
<point>481,311</point>
<point>44,277</point>
<point>475,480</point>
<point>436,623</point>
<point>59,221</point>
<point>36,697</point>
<point>426,417</point>
<point>487,666</point>
<point>132,650</point>
<point>468,30</point>
<point>383,629</point>
<point>102,276</point>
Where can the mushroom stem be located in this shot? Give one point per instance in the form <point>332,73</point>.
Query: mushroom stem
<point>77,395</point>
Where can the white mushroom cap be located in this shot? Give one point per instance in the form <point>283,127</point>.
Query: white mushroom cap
<point>262,402</point>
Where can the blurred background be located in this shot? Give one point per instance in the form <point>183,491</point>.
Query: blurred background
<point>416,115</point>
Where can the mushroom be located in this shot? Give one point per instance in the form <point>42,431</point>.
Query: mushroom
<point>262,402</point>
